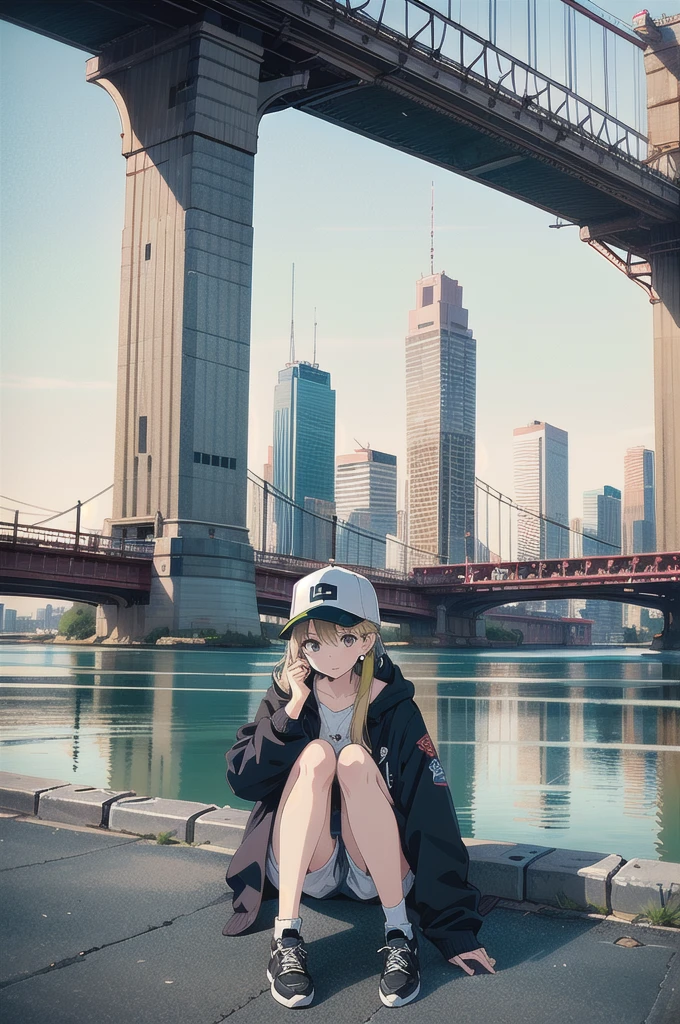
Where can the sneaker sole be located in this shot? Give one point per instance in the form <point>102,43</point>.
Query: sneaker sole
<point>293,1001</point>
<point>395,1000</point>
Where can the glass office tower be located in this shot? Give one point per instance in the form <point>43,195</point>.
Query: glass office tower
<point>602,536</point>
<point>541,470</point>
<point>366,497</point>
<point>304,452</point>
<point>639,517</point>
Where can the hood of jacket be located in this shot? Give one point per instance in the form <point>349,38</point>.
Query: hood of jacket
<point>397,690</point>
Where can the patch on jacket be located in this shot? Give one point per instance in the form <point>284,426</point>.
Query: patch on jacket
<point>427,746</point>
<point>438,776</point>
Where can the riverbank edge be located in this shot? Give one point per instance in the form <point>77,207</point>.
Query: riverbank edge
<point>571,880</point>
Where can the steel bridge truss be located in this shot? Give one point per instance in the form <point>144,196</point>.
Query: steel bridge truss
<point>432,34</point>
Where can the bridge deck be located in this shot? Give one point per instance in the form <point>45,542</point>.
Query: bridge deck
<point>480,113</point>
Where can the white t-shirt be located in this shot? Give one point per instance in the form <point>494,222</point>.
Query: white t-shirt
<point>335,725</point>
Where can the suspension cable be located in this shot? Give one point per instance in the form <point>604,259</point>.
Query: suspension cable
<point>73,507</point>
<point>537,515</point>
<point>19,502</point>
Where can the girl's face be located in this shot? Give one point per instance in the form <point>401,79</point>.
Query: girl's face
<point>334,659</point>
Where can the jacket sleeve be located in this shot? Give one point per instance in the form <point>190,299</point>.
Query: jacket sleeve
<point>265,750</point>
<point>446,902</point>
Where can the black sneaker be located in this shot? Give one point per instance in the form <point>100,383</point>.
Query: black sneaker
<point>400,980</point>
<point>287,971</point>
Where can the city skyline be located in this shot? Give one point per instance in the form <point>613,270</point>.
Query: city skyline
<point>354,249</point>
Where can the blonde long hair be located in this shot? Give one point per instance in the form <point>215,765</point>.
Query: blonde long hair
<point>329,632</point>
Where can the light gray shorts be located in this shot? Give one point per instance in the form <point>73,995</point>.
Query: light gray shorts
<point>339,875</point>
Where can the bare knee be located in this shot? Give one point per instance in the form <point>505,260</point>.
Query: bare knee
<point>316,763</point>
<point>355,767</point>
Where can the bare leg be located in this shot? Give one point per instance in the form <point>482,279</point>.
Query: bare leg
<point>301,839</point>
<point>372,833</point>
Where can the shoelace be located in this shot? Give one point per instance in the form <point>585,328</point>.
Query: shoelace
<point>292,958</point>
<point>397,959</point>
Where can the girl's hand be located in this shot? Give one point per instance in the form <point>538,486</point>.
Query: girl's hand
<point>297,673</point>
<point>475,957</point>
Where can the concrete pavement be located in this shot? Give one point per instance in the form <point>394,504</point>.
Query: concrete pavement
<point>102,926</point>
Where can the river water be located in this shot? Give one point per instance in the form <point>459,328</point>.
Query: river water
<point>564,748</point>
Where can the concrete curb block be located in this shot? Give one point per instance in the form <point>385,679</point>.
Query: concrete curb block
<point>643,883</point>
<point>575,877</point>
<point>511,871</point>
<point>499,869</point>
<point>80,805</point>
<point>223,827</point>
<point>150,815</point>
<point>22,792</point>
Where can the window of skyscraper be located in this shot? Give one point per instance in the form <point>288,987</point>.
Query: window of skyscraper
<point>428,295</point>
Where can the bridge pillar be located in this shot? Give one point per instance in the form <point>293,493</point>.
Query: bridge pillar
<point>460,630</point>
<point>189,104</point>
<point>669,639</point>
<point>662,68</point>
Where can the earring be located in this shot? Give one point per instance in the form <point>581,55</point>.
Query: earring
<point>361,657</point>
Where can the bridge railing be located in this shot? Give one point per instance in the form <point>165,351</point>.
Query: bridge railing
<point>76,542</point>
<point>625,568</point>
<point>307,565</point>
<point>417,27</point>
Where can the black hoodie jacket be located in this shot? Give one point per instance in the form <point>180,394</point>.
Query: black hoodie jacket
<point>258,766</point>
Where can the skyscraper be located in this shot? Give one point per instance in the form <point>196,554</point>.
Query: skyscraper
<point>602,521</point>
<point>638,516</point>
<point>541,470</point>
<point>602,536</point>
<point>10,620</point>
<point>441,373</point>
<point>304,448</point>
<point>366,496</point>
<point>576,538</point>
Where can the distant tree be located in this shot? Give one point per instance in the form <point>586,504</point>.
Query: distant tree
<point>496,632</point>
<point>78,623</point>
<point>630,635</point>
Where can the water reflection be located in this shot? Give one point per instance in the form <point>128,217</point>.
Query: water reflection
<point>558,749</point>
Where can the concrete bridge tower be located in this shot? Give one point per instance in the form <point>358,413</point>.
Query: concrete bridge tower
<point>189,103</point>
<point>662,68</point>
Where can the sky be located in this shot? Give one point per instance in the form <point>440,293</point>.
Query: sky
<point>561,335</point>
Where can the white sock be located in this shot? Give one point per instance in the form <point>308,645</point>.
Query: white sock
<point>286,922</point>
<point>395,917</point>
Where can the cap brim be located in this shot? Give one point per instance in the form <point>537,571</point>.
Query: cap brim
<point>327,614</point>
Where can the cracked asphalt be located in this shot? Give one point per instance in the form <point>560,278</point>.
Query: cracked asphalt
<point>103,927</point>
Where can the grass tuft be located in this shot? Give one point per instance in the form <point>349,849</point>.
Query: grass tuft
<point>566,903</point>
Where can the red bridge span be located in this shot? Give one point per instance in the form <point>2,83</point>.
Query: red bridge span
<point>445,600</point>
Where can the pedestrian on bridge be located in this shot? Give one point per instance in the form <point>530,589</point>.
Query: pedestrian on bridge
<point>351,798</point>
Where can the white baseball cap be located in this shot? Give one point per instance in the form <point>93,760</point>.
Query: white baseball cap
<point>334,595</point>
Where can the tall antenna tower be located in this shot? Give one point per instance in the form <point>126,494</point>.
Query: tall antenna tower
<point>432,231</point>
<point>314,363</point>
<point>291,355</point>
